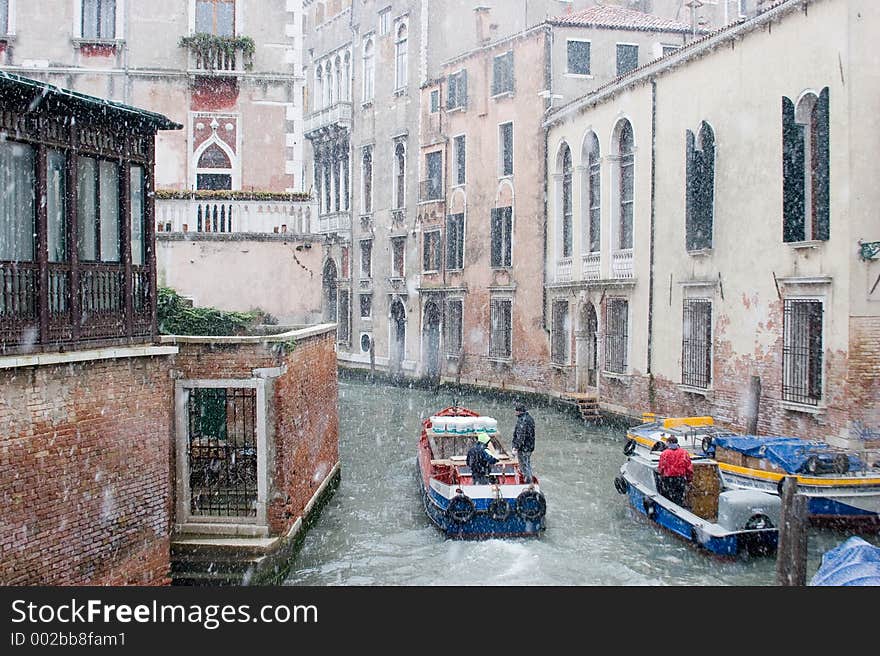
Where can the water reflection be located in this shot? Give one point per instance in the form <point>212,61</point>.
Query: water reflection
<point>374,531</point>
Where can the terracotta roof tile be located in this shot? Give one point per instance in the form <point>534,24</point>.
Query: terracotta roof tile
<point>619,18</point>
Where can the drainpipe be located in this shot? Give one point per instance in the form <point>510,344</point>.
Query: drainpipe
<point>653,213</point>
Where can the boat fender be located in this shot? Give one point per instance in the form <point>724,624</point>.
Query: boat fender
<point>499,510</point>
<point>461,509</point>
<point>620,484</point>
<point>531,505</point>
<point>659,446</point>
<point>708,445</point>
<point>629,448</point>
<point>650,507</point>
<point>811,466</point>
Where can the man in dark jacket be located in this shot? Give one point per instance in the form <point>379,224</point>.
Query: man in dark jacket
<point>524,440</point>
<point>480,460</point>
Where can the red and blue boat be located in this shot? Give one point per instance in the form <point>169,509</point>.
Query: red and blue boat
<point>508,506</point>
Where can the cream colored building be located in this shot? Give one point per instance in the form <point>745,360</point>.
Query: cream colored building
<point>732,264</point>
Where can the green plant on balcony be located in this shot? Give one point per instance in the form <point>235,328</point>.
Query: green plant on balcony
<point>213,51</point>
<point>231,194</point>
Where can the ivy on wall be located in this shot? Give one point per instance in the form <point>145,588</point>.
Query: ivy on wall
<point>207,46</point>
<point>177,316</point>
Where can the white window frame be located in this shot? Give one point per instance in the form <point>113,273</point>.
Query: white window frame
<point>10,18</point>
<point>401,64</point>
<point>500,298</point>
<point>368,87</point>
<point>118,28</point>
<point>638,54</point>
<point>384,21</point>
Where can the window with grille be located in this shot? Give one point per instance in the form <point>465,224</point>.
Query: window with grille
<point>99,19</point>
<point>559,337</point>
<point>431,251</point>
<point>805,168</point>
<point>454,325</point>
<point>696,343</point>
<point>456,90</point>
<point>502,236</point>
<point>455,241</point>
<point>616,326</point>
<point>802,351</point>
<point>505,140</point>
<point>366,258</point>
<point>502,74</point>
<point>366,303</point>
<point>595,206</point>
<point>460,152</point>
<point>500,336</point>
<point>627,186</point>
<point>343,327</point>
<point>699,187</point>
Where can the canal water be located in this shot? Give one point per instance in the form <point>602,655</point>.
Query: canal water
<point>374,530</point>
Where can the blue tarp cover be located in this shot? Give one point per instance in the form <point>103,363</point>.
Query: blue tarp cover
<point>854,562</point>
<point>790,453</point>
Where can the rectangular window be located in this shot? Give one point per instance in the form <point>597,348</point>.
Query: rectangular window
<point>616,324</point>
<point>398,256</point>
<point>456,90</point>
<point>366,258</point>
<point>109,210</point>
<point>435,101</point>
<point>87,209</point>
<point>505,139</point>
<point>433,189</point>
<point>696,343</point>
<point>459,148</point>
<point>97,210</point>
<point>669,49</point>
<point>99,19</point>
<point>431,251</point>
<point>699,188</point>
<point>343,326</point>
<point>743,8</point>
<point>366,306</point>
<point>138,244</point>
<point>627,57</point>
<point>578,57</point>
<point>500,311</point>
<point>455,241</point>
<point>802,351</point>
<point>56,205</point>
<point>17,202</point>
<point>502,74</point>
<point>400,58</point>
<point>215,17</point>
<point>559,340</point>
<point>384,21</point>
<point>4,16</point>
<point>502,236</point>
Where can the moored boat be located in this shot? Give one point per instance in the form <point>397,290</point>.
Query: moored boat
<point>842,488</point>
<point>726,523</point>
<point>506,507</point>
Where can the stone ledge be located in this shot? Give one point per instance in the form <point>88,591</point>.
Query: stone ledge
<point>44,359</point>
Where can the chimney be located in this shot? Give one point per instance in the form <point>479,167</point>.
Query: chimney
<point>481,14</point>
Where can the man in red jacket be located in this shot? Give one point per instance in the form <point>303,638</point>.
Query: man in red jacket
<point>676,471</point>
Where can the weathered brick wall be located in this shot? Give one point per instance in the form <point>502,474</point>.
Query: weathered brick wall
<point>218,360</point>
<point>306,426</point>
<point>85,473</point>
<point>863,382</point>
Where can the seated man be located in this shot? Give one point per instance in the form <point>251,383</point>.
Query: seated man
<point>676,470</point>
<point>480,460</point>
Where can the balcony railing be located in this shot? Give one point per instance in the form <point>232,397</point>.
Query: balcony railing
<point>211,53</point>
<point>84,303</point>
<point>337,115</point>
<point>563,270</point>
<point>591,266</point>
<point>334,222</point>
<point>216,215</point>
<point>622,263</point>
<point>430,190</point>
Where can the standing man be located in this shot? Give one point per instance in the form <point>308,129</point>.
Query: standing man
<point>524,440</point>
<point>676,470</point>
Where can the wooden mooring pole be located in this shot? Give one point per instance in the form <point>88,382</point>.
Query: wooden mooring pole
<point>791,555</point>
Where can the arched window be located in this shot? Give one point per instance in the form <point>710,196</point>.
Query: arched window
<point>626,176</point>
<point>339,90</point>
<point>214,169</point>
<point>346,78</point>
<point>699,187</point>
<point>367,179</point>
<point>593,197</point>
<point>400,175</point>
<point>566,201</point>
<point>806,171</point>
<point>330,85</point>
<point>369,71</point>
<point>400,58</point>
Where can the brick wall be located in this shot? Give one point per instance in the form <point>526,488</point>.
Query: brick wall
<point>85,473</point>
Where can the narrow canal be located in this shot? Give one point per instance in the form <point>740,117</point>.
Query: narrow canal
<point>374,530</point>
